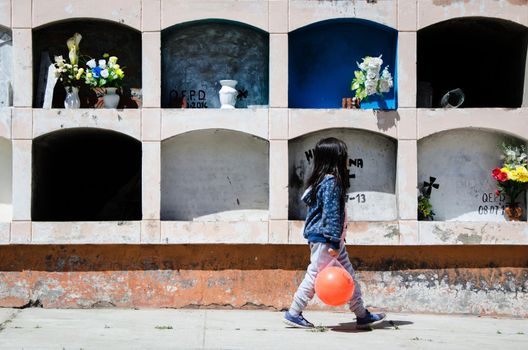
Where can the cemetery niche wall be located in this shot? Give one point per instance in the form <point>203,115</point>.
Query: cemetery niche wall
<point>6,68</point>
<point>98,37</point>
<point>372,171</point>
<point>86,174</point>
<point>322,61</point>
<point>195,56</point>
<point>484,57</point>
<point>461,162</point>
<point>214,175</point>
<point>6,202</point>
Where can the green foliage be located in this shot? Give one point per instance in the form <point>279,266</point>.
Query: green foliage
<point>425,208</point>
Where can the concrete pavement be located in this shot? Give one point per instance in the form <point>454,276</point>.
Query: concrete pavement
<point>36,328</point>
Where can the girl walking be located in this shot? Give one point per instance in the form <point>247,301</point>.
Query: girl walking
<point>325,228</point>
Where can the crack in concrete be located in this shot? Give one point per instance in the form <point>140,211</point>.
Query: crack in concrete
<point>10,319</point>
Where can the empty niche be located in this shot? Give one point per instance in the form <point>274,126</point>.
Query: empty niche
<point>214,175</point>
<point>483,57</point>
<point>6,68</point>
<point>372,172</point>
<point>6,202</point>
<point>86,174</point>
<point>98,37</point>
<point>195,56</point>
<point>461,161</point>
<point>322,61</point>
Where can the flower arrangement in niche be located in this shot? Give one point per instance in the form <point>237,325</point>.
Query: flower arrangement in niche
<point>69,73</point>
<point>105,74</point>
<point>368,81</point>
<point>512,178</point>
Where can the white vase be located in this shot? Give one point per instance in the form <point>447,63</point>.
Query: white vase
<point>111,98</point>
<point>72,97</point>
<point>228,93</point>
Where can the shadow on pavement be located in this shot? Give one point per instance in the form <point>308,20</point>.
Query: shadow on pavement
<point>350,327</point>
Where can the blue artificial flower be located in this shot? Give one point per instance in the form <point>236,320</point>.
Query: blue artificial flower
<point>96,72</point>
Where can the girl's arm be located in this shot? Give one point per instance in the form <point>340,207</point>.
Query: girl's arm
<point>331,216</point>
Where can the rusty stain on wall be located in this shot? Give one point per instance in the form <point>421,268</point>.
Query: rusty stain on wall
<point>490,280</point>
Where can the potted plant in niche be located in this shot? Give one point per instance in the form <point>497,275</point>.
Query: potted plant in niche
<point>512,178</point>
<point>69,73</point>
<point>368,81</point>
<point>107,75</point>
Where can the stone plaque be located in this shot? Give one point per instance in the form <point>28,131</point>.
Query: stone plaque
<point>462,161</point>
<point>214,175</point>
<point>372,164</point>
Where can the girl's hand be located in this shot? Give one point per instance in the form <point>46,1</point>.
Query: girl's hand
<point>333,253</point>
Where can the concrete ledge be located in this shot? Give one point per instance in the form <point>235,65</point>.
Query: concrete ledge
<point>441,233</point>
<point>86,232</point>
<point>374,233</point>
<point>182,232</point>
<point>126,12</point>
<point>125,121</point>
<point>252,12</point>
<point>431,12</point>
<point>247,120</point>
<point>5,122</point>
<point>305,12</point>
<point>305,121</point>
<point>510,121</point>
<point>358,233</point>
<point>5,232</point>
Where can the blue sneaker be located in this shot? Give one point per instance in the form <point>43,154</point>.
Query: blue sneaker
<point>369,320</point>
<point>297,322</point>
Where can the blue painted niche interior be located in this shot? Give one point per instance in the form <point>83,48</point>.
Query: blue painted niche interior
<point>322,61</point>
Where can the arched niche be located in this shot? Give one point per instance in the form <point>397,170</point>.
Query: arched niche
<point>196,55</point>
<point>322,60</point>
<point>461,161</point>
<point>98,37</point>
<point>6,67</point>
<point>372,171</point>
<point>86,174</point>
<point>485,57</point>
<point>6,168</point>
<point>214,175</point>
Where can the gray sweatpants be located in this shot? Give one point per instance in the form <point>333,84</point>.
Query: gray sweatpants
<point>319,258</point>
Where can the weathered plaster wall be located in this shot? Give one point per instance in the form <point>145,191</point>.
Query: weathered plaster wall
<point>490,280</point>
<point>6,201</point>
<point>214,175</point>
<point>372,159</point>
<point>462,160</point>
<point>6,68</point>
<point>196,56</point>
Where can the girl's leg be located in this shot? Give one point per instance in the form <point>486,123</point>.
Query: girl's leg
<point>356,302</point>
<point>319,258</point>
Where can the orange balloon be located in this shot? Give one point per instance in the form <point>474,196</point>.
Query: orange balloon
<point>334,286</point>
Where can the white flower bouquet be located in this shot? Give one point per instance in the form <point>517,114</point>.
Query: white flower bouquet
<point>103,73</point>
<point>69,73</point>
<point>368,81</point>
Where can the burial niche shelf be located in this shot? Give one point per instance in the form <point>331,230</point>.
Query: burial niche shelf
<point>6,168</point>
<point>195,56</point>
<point>86,174</point>
<point>372,172</point>
<point>460,162</point>
<point>483,57</point>
<point>6,68</point>
<point>322,61</point>
<point>214,175</point>
<point>98,37</point>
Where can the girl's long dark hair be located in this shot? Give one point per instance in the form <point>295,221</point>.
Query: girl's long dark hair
<point>330,157</point>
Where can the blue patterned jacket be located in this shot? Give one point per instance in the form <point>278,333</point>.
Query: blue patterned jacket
<point>324,219</point>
